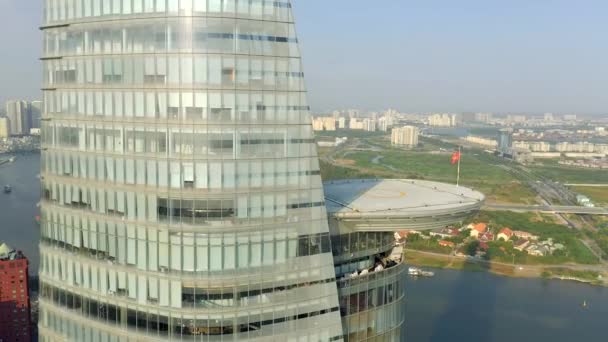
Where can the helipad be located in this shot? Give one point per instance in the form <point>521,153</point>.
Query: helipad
<point>392,204</point>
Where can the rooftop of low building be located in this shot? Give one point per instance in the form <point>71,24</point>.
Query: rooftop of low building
<point>9,253</point>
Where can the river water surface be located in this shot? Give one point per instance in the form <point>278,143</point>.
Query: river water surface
<point>450,307</point>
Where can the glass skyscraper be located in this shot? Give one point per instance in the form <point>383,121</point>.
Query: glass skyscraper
<point>182,198</point>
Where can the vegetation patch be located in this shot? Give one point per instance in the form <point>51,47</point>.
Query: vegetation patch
<point>333,172</point>
<point>569,273</point>
<point>572,175</point>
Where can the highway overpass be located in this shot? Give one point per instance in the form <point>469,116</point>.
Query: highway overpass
<point>551,209</point>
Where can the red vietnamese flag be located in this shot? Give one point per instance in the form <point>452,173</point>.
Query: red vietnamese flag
<point>456,157</point>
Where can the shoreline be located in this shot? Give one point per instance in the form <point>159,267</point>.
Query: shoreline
<point>450,262</point>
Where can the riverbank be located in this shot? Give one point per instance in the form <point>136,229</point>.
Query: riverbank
<point>578,273</point>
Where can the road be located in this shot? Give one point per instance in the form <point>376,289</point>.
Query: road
<point>550,209</point>
<point>556,198</point>
<point>594,185</point>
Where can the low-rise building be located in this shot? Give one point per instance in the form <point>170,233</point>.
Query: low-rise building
<point>505,234</point>
<point>445,233</point>
<point>524,235</point>
<point>485,142</point>
<point>487,236</point>
<point>401,236</point>
<point>445,243</point>
<point>537,250</point>
<point>477,229</point>
<point>544,248</point>
<point>521,245</point>
<point>15,317</point>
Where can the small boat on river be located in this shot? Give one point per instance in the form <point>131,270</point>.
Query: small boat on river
<point>418,272</point>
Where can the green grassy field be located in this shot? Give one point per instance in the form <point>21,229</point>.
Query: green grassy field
<point>429,245</point>
<point>477,171</point>
<point>572,175</point>
<point>426,260</point>
<point>333,172</point>
<point>601,238</point>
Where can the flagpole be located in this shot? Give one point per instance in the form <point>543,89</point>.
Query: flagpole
<point>458,176</point>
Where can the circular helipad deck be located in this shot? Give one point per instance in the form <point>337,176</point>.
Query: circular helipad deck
<point>400,203</point>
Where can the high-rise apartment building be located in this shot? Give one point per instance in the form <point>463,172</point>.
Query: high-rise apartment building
<point>442,120</point>
<point>5,128</point>
<point>505,140</point>
<point>483,117</point>
<point>17,112</point>
<point>369,124</point>
<point>406,136</point>
<point>383,123</point>
<point>516,119</point>
<point>356,124</point>
<point>182,198</point>
<point>35,113</point>
<point>15,318</point>
<point>326,123</point>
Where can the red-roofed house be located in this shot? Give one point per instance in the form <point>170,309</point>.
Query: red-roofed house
<point>444,243</point>
<point>478,229</point>
<point>505,234</point>
<point>487,236</point>
<point>484,246</point>
<point>401,235</point>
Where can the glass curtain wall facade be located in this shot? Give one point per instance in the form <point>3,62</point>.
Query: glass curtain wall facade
<point>371,285</point>
<point>182,197</point>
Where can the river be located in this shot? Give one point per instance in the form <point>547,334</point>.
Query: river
<point>18,227</point>
<point>476,306</point>
<point>452,306</point>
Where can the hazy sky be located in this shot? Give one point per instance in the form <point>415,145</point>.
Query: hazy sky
<point>432,55</point>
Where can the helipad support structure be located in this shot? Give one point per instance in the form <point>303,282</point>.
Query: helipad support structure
<point>363,215</point>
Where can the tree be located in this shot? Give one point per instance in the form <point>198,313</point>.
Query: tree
<point>413,238</point>
<point>471,247</point>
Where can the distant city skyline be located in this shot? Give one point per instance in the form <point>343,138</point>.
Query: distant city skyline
<point>437,56</point>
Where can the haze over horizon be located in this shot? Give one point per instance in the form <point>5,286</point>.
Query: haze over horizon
<point>474,55</point>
